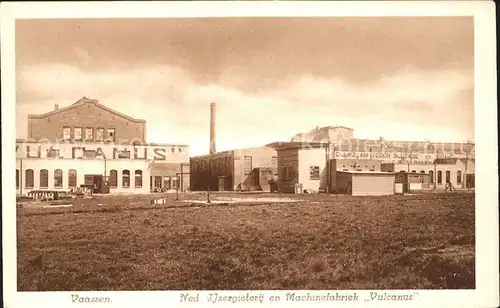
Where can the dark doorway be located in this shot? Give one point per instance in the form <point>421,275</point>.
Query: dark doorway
<point>97,183</point>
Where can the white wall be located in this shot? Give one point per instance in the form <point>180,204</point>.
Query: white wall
<point>82,167</point>
<point>308,158</point>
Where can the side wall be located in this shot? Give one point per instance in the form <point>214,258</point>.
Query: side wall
<point>310,158</point>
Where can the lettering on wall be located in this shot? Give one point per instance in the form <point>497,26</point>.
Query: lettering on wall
<point>71,151</point>
<point>160,154</point>
<point>136,154</point>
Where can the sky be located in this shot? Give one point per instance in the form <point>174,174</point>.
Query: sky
<point>400,78</point>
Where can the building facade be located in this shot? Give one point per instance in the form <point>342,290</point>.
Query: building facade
<point>88,143</point>
<point>248,169</point>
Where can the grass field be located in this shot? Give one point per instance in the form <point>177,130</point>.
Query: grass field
<point>321,242</point>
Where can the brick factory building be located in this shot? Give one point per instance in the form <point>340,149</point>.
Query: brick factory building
<point>88,143</point>
<point>242,169</point>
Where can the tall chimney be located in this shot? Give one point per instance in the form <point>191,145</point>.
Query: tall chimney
<point>212,129</point>
<point>56,106</point>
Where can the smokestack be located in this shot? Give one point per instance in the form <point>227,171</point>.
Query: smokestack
<point>212,129</point>
<point>56,106</point>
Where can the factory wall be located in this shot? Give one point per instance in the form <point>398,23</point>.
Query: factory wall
<point>456,170</point>
<point>221,169</point>
<point>245,162</point>
<point>86,114</point>
<point>231,170</point>
<point>124,170</point>
<point>312,173</point>
<point>168,176</point>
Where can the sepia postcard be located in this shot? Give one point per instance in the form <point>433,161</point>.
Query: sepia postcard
<point>171,154</point>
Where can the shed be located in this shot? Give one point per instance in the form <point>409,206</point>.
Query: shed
<point>365,183</point>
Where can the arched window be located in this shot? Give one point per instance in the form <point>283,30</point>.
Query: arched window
<point>138,178</point>
<point>113,178</point>
<point>414,171</point>
<point>29,178</point>
<point>432,175</point>
<point>17,178</point>
<point>448,176</point>
<point>125,178</point>
<point>440,177</point>
<point>459,177</point>
<point>72,178</point>
<point>58,178</point>
<point>44,178</point>
<point>422,171</point>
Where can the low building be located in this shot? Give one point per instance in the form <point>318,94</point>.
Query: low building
<point>365,183</point>
<point>248,169</point>
<point>457,171</point>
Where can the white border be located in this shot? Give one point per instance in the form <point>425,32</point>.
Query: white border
<point>486,293</point>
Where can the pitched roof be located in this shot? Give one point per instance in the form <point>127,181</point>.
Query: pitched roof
<point>81,102</point>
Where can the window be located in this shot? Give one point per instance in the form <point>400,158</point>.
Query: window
<point>89,134</point>
<point>58,178</point>
<point>72,178</point>
<point>459,177</point>
<point>138,178</point>
<point>422,171</point>
<point>29,180</point>
<point>99,136</point>
<point>124,154</point>
<point>125,178</point>
<point>247,165</point>
<point>274,161</point>
<point>113,178</point>
<point>414,171</point>
<point>157,181</point>
<point>17,178</point>
<point>448,176</point>
<point>314,172</point>
<point>440,177</point>
<point>166,182</point>
<point>66,133</point>
<point>52,153</point>
<point>89,154</point>
<point>175,182</point>
<point>44,178</point>
<point>432,175</point>
<point>78,133</point>
<point>287,172</point>
<point>111,134</point>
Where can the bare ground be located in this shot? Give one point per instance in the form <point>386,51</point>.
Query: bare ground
<point>320,242</point>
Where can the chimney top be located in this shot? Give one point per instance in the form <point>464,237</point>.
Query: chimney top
<point>56,106</point>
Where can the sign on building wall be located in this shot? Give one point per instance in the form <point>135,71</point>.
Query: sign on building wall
<point>395,157</point>
<point>102,151</point>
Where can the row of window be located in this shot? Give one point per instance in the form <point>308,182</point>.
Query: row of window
<point>77,134</point>
<point>29,178</point>
<point>167,183</point>
<point>439,179</point>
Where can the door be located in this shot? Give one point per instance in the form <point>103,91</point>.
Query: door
<point>221,184</point>
<point>97,183</point>
<point>469,178</point>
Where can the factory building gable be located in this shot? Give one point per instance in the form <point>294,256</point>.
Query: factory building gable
<point>86,121</point>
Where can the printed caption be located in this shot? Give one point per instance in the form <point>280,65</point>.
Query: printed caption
<point>252,297</point>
